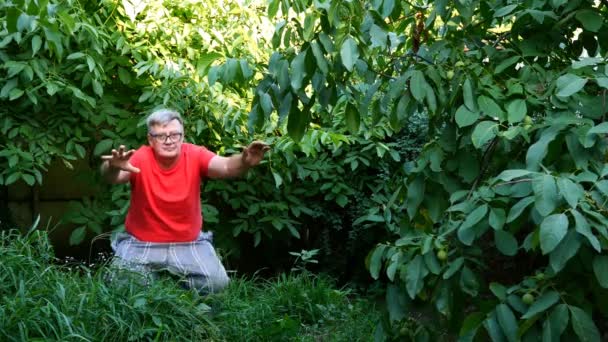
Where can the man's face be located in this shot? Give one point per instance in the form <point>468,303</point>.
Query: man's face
<point>166,140</point>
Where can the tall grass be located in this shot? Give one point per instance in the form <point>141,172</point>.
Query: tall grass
<point>42,300</point>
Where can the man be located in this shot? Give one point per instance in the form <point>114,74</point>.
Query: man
<point>163,224</point>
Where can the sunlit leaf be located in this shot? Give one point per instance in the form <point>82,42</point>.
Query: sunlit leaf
<point>349,53</point>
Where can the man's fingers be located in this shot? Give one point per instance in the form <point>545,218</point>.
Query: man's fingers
<point>129,153</point>
<point>107,157</point>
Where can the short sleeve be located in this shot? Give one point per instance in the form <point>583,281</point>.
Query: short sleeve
<point>204,157</point>
<point>136,160</point>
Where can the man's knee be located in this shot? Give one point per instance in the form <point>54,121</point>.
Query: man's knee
<point>209,284</point>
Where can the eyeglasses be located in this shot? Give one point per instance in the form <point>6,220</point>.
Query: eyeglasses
<point>162,138</point>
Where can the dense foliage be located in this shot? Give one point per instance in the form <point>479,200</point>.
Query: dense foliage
<point>465,139</point>
<point>42,300</point>
<point>506,203</point>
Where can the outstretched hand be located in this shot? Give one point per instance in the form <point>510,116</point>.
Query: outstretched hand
<point>120,159</point>
<point>254,153</point>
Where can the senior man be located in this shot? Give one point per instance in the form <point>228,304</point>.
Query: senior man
<point>164,222</point>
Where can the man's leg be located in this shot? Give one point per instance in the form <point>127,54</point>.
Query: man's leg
<point>133,260</point>
<point>198,265</point>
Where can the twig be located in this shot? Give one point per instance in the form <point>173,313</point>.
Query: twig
<point>514,182</point>
<point>484,166</point>
<point>411,54</point>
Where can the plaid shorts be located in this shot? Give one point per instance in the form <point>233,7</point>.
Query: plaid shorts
<point>195,263</point>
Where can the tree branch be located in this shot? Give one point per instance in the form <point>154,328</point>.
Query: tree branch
<point>484,165</point>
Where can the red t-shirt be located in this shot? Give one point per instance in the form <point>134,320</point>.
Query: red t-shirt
<point>166,204</point>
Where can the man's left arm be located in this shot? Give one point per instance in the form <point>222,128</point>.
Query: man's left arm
<point>238,164</point>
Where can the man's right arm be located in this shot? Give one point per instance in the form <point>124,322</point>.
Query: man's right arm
<point>116,168</point>
<point>114,175</point>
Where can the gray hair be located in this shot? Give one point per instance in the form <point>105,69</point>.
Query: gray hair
<point>163,117</point>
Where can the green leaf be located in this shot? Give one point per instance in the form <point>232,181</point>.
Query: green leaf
<point>102,146</point>
<point>506,63</point>
<point>505,242</point>
<point>309,26</point>
<point>541,304</point>
<point>415,195</point>
<point>297,122</point>
<point>501,12</point>
<point>273,8</point>
<point>453,267</point>
<point>557,322</point>
<point>569,84</point>
<point>471,323</point>
<point>602,82</point>
<point>583,325</point>
<point>600,268</point>
<point>499,291</point>
<point>378,37</point>
<point>516,111</point>
<point>266,103</point>
<point>36,44</point>
<point>12,15</point>
<point>26,22</point>
<point>545,194</point>
<point>397,303</point>
<point>124,76</point>
<point>586,61</point>
<point>278,180</point>
<point>353,119</point>
<point>431,262</point>
<point>77,236</point>
<point>599,129</point>
<point>552,231</point>
<point>349,53</point>
<point>29,179</point>
<point>15,93</point>
<point>75,55</point>
<point>469,98</point>
<point>468,282</point>
<point>497,218</point>
<point>590,18</point>
<point>490,108</point>
<point>375,263</point>
<point>8,86</point>
<point>507,321</point>
<point>414,276</point>
<point>571,191</point>
<point>518,208</point>
<point>298,70</point>
<point>475,216</point>
<point>418,85</point>
<point>583,228</point>
<point>493,328</point>
<point>203,62</point>
<point>319,57</point>
<point>566,249</point>
<point>12,178</point>
<point>484,132</point>
<point>341,200</point>
<point>465,117</point>
<point>509,175</point>
<point>145,96</point>
<point>538,150</point>
<point>387,7</point>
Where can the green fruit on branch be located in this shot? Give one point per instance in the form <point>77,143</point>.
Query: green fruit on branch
<point>528,298</point>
